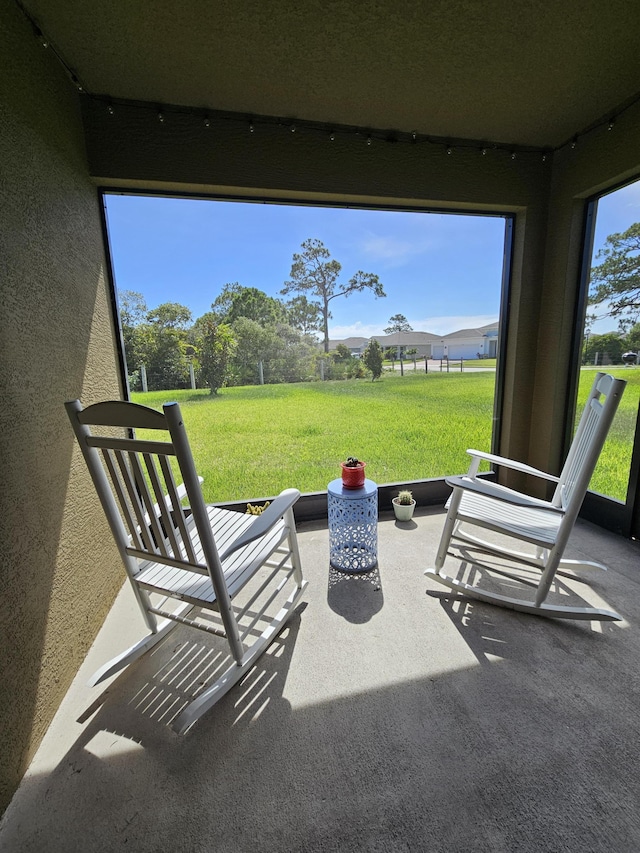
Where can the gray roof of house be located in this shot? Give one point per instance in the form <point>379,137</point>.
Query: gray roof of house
<point>351,343</point>
<point>472,333</point>
<point>403,339</point>
<point>408,339</point>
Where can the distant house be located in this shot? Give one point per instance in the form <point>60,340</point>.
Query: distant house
<point>403,342</point>
<point>468,343</point>
<point>356,346</point>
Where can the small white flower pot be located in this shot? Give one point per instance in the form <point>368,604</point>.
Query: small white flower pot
<point>404,512</point>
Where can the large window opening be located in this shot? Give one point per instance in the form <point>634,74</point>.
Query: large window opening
<point>611,342</point>
<point>295,336</point>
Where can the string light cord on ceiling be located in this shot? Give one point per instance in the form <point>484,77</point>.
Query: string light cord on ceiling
<point>332,132</point>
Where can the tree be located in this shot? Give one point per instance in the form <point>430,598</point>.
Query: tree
<point>609,346</point>
<point>304,315</point>
<point>342,353</point>
<point>313,272</point>
<point>133,312</point>
<point>161,344</point>
<point>256,343</point>
<point>293,361</point>
<point>216,345</point>
<point>133,308</point>
<point>398,323</point>
<point>170,315</point>
<point>616,280</point>
<point>373,358</point>
<point>285,353</point>
<point>236,301</point>
<point>632,341</point>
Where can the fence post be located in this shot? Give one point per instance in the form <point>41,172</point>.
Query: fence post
<point>261,371</point>
<point>192,376</point>
<point>401,367</point>
<point>143,377</point>
<point>460,365</point>
<point>426,364</point>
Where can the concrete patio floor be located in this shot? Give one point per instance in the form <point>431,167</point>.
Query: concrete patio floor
<point>388,716</point>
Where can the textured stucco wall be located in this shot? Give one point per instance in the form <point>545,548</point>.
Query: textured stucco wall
<point>600,161</point>
<point>59,571</point>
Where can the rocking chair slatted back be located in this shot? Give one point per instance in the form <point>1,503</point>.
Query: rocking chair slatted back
<point>148,497</point>
<point>589,438</point>
<point>140,496</point>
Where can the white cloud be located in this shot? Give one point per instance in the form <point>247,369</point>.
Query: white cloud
<point>435,325</point>
<point>393,250</point>
<point>355,330</point>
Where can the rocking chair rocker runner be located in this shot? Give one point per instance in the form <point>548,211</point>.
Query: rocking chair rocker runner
<point>188,567</point>
<point>545,525</point>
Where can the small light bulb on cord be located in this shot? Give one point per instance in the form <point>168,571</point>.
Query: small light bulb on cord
<point>293,128</point>
<point>332,136</point>
<point>611,124</point>
<point>574,141</point>
<point>160,116</point>
<point>41,36</point>
<point>369,139</point>
<point>207,121</point>
<point>414,136</point>
<point>251,127</point>
<point>76,83</point>
<point>513,155</point>
<point>110,109</point>
<point>483,152</point>
<point>449,149</point>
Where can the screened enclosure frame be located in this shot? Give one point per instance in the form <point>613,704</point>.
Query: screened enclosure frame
<point>312,506</point>
<point>607,512</point>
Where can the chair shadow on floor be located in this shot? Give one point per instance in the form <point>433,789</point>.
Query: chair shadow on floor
<point>496,632</point>
<point>146,697</point>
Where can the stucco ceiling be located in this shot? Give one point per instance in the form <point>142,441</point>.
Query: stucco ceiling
<point>523,72</point>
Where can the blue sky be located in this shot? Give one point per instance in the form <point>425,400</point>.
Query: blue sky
<point>616,212</point>
<point>441,271</point>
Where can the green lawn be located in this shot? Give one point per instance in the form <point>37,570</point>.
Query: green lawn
<point>253,441</point>
<point>612,471</point>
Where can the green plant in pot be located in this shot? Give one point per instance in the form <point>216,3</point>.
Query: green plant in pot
<point>403,505</point>
<point>353,473</point>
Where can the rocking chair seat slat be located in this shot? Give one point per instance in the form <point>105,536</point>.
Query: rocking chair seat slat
<point>238,569</point>
<point>538,526</point>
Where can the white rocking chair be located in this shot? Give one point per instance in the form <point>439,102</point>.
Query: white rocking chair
<point>188,567</point>
<point>545,525</point>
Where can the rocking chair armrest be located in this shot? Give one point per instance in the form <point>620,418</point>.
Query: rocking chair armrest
<point>493,490</point>
<point>263,522</point>
<point>513,464</point>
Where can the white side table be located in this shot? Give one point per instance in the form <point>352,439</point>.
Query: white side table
<point>353,526</point>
